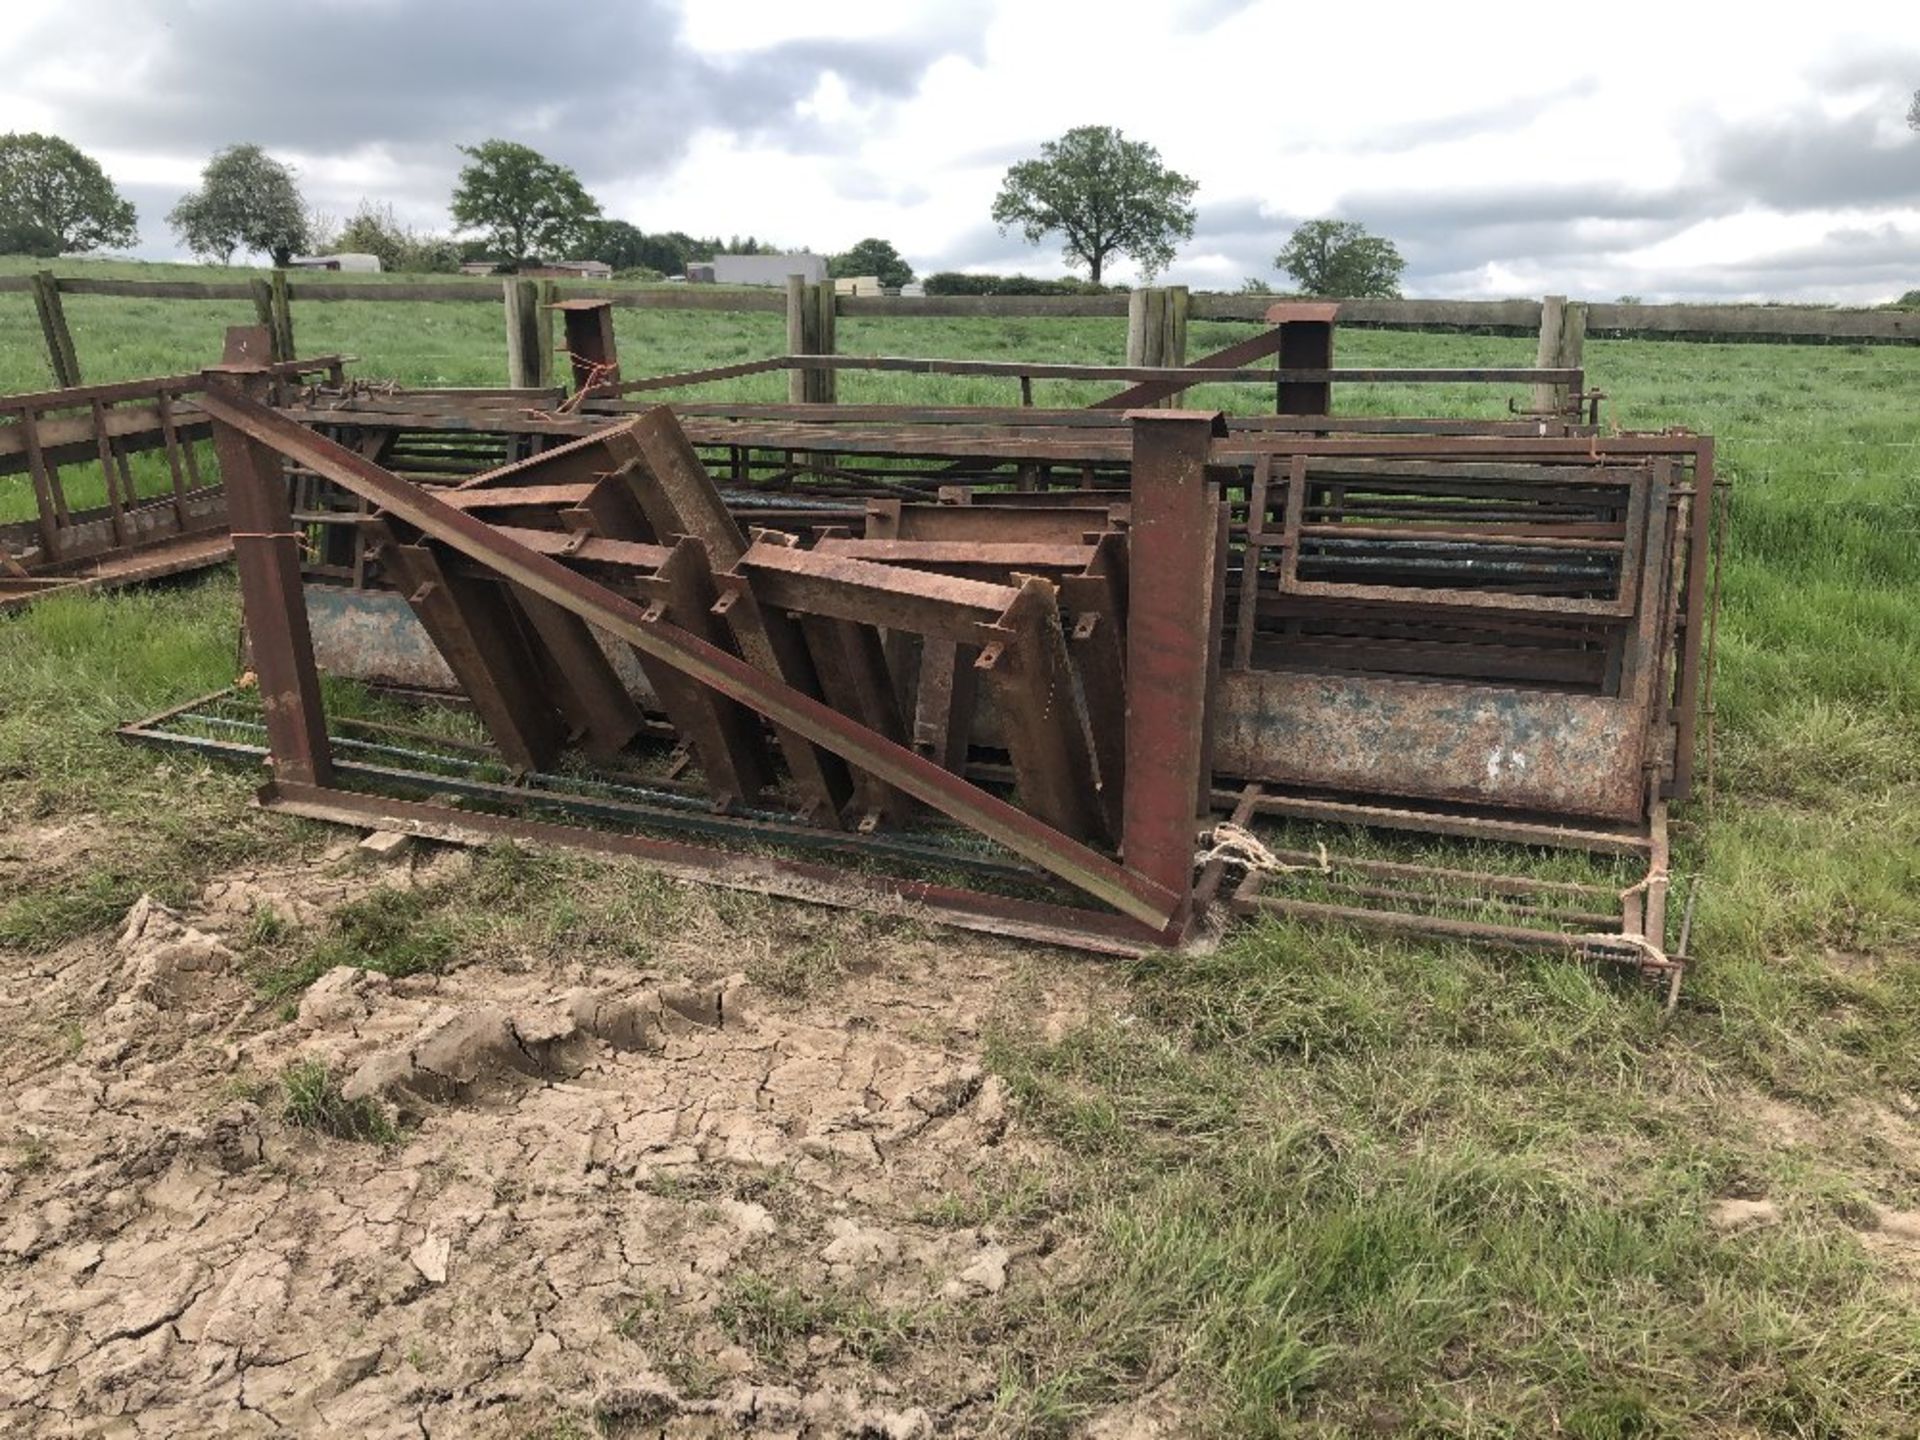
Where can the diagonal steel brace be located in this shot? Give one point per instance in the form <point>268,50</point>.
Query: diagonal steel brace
<point>1145,900</point>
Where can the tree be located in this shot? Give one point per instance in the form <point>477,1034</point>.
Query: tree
<point>323,231</point>
<point>23,237</point>
<point>528,205</point>
<point>953,282</point>
<point>246,201</point>
<point>669,252</point>
<point>618,243</point>
<point>873,257</point>
<point>1105,194</point>
<point>1338,258</point>
<point>376,230</point>
<point>51,192</point>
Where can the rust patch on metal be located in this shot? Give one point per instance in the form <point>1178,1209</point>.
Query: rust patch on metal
<point>1069,633</point>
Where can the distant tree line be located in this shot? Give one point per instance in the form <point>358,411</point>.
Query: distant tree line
<point>1103,195</point>
<point>635,253</point>
<point>954,282</point>
<point>511,206</point>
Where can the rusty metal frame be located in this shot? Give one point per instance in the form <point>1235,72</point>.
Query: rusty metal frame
<point>1299,335</point>
<point>288,678</point>
<point>1089,594</point>
<point>128,539</point>
<point>1576,459</point>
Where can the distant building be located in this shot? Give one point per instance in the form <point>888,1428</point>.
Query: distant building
<point>913,288</point>
<point>569,270</point>
<point>350,260</point>
<point>700,273</point>
<point>858,285</point>
<point>479,267</point>
<point>767,269</point>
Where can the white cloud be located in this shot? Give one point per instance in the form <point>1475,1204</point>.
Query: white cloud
<point>1650,147</point>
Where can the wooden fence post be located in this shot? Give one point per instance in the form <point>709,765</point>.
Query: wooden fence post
<point>53,324</point>
<point>1563,337</point>
<point>270,310</point>
<point>526,357</point>
<point>810,316</point>
<point>1157,327</point>
<point>825,385</point>
<point>282,317</point>
<point>262,294</point>
<point>1174,347</point>
<point>797,386</point>
<point>1174,342</point>
<point>1573,343</point>
<point>1137,325</point>
<point>549,297</point>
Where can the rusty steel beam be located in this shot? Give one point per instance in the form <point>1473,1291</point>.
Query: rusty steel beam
<point>516,497</point>
<point>1143,897</point>
<point>587,688</point>
<point>1058,522</point>
<point>948,555</point>
<point>1179,376</point>
<point>1306,343</point>
<point>1030,677</point>
<point>587,338</point>
<point>473,626</point>
<point>588,549</point>
<point>858,590</point>
<point>1169,615</point>
<point>725,735</point>
<point>672,487</point>
<point>850,667</point>
<point>266,550</point>
<point>1038,921</point>
<point>1233,357</point>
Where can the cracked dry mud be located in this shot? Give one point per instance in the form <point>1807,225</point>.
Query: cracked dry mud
<point>594,1165</point>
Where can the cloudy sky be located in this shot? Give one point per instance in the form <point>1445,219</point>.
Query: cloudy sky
<point>1665,150</point>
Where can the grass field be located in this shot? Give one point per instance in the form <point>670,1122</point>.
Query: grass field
<point>1330,1185</point>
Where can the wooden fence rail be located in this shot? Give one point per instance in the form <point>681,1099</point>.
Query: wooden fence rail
<point>1745,322</point>
<point>1157,318</point>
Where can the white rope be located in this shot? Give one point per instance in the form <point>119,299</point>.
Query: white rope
<point>1236,845</point>
<point>1656,872</point>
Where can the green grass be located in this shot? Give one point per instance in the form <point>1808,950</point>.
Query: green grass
<point>510,901</point>
<point>1317,1185</point>
<point>1413,1191</point>
<point>310,1098</point>
<point>771,1317</point>
<point>392,932</point>
<point>110,822</point>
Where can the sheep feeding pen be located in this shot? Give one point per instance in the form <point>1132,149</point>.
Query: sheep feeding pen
<point>1048,651</point>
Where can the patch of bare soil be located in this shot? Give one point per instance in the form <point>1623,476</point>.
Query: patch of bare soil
<point>51,846</point>
<point>662,1199</point>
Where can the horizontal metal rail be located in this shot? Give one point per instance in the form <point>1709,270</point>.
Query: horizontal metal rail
<point>1013,369</point>
<point>79,395</point>
<point>1131,893</point>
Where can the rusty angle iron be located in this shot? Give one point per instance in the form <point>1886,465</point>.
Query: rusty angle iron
<point>1080,654</point>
